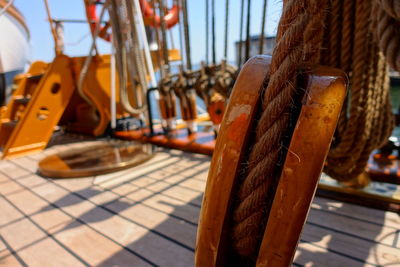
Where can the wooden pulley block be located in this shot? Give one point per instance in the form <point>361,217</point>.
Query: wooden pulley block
<point>225,78</point>
<point>167,101</point>
<point>188,106</point>
<point>187,98</point>
<point>167,104</point>
<point>202,86</point>
<point>325,89</point>
<point>216,108</point>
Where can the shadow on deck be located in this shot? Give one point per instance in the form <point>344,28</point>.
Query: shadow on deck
<point>148,216</point>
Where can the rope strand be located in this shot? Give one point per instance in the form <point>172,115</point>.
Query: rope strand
<point>298,24</point>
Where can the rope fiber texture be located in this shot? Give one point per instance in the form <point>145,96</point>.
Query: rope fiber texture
<point>366,120</point>
<point>299,39</point>
<point>347,34</point>
<point>389,31</point>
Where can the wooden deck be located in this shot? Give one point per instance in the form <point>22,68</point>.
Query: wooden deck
<point>147,216</point>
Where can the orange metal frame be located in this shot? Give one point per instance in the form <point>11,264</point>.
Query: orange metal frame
<point>31,130</point>
<point>46,96</point>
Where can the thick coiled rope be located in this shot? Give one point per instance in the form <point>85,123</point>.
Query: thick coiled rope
<point>299,39</point>
<point>389,31</point>
<point>349,36</point>
<point>366,120</point>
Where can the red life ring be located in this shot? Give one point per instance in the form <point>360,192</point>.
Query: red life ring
<point>151,19</point>
<point>94,20</point>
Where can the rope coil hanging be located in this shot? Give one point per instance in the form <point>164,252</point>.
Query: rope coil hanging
<point>389,31</point>
<point>366,121</point>
<point>346,33</point>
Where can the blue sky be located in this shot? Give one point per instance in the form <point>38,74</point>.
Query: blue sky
<point>42,42</point>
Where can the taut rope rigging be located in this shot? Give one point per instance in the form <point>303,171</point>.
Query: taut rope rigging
<point>214,52</point>
<point>241,33</point>
<point>181,38</point>
<point>129,54</point>
<point>187,35</point>
<point>226,29</point>
<point>264,15</point>
<point>247,53</point>
<point>164,35</point>
<point>207,31</point>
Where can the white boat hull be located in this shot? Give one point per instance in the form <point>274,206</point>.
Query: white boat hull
<point>14,51</point>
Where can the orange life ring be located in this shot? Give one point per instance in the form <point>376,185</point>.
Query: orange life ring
<point>94,20</point>
<point>151,19</point>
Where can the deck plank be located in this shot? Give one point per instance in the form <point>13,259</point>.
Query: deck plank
<point>94,248</point>
<point>19,239</point>
<point>38,255</point>
<point>311,255</point>
<point>9,187</point>
<point>380,217</point>
<point>363,230</point>
<point>166,204</point>
<point>27,202</point>
<point>8,212</point>
<point>171,227</point>
<point>351,246</point>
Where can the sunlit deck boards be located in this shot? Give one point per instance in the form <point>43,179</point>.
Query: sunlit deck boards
<point>148,216</point>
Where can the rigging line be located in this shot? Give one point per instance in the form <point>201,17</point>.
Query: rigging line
<point>52,28</point>
<point>128,56</point>
<point>207,31</point>
<point>241,33</point>
<point>135,55</point>
<point>146,48</point>
<point>171,37</point>
<point>140,38</point>
<point>83,37</point>
<point>261,48</point>
<point>164,36</point>
<point>214,60</point>
<point>187,34</point>
<point>181,40</point>
<point>157,33</point>
<point>113,103</point>
<point>88,59</point>
<point>226,29</point>
<point>248,30</point>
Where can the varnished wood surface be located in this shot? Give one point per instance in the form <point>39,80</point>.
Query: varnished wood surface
<point>147,216</point>
<point>240,113</point>
<point>200,142</point>
<point>321,105</point>
<point>309,146</point>
<point>101,158</point>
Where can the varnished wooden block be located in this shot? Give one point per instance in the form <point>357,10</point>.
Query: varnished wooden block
<point>321,105</point>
